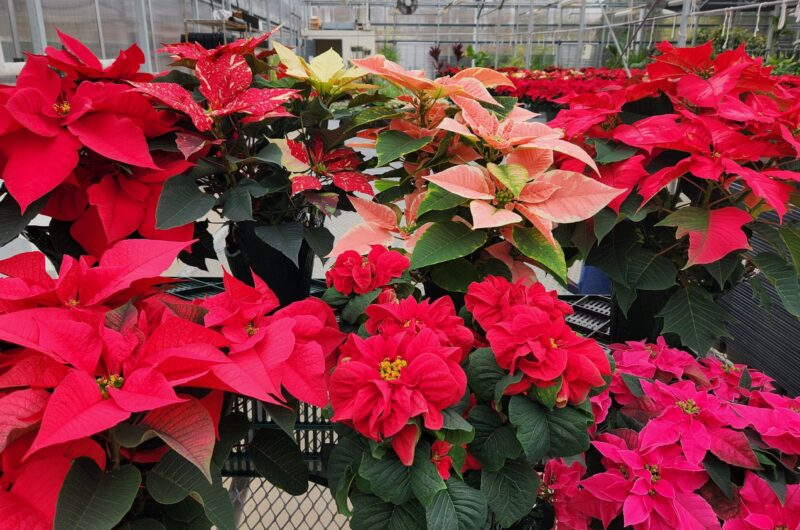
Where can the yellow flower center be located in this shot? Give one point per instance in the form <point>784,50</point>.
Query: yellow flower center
<point>72,302</point>
<point>112,380</point>
<point>654,475</point>
<point>62,108</point>
<point>251,329</point>
<point>545,492</point>
<point>688,406</point>
<point>504,196</point>
<point>553,343</point>
<point>390,370</point>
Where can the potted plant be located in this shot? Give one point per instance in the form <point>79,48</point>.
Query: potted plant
<point>703,147</point>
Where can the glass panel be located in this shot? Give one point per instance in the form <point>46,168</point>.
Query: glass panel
<point>74,17</point>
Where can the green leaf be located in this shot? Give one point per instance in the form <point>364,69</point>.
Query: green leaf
<point>455,275</point>
<point>90,498</point>
<point>633,383</point>
<point>720,473</point>
<point>510,491</point>
<point>648,271</point>
<point>604,222</point>
<point>722,269</point>
<point>533,244</point>
<point>456,429</point>
<point>342,467</point>
<point>277,458</point>
<point>371,513</point>
<point>425,479</point>
<point>783,277</point>
<point>693,315</point>
<point>437,199</point>
<point>494,442</point>
<point>320,239</point>
<point>283,417</point>
<point>689,218</point>
<point>237,205</point>
<point>270,153</point>
<point>608,152</point>
<point>255,189</point>
<point>546,395</point>
<point>334,298</point>
<point>501,386</point>
<point>233,428</point>
<point>444,242</point>
<point>746,380</point>
<point>624,296</point>
<point>389,478</point>
<point>181,202</point>
<point>174,478</point>
<point>791,237</point>
<point>357,305</point>
<point>286,238</point>
<point>12,221</point>
<point>531,422</point>
<point>459,507</point>
<point>392,145</point>
<point>610,255</point>
<point>494,267</point>
<point>483,373</point>
<point>512,176</point>
<point>373,114</point>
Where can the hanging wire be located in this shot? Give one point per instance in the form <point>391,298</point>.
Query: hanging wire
<point>674,20</point>
<point>782,18</point>
<point>758,18</point>
<point>726,28</point>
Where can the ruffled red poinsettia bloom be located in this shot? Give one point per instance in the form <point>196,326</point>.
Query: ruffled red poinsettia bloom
<point>761,507</point>
<point>314,166</point>
<point>544,349</point>
<point>698,421</point>
<point>653,488</point>
<point>353,273</point>
<point>384,382</point>
<point>291,348</point>
<point>490,300</point>
<point>50,119</point>
<point>225,80</point>
<point>440,316</point>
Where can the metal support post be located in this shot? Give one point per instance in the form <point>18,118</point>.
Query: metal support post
<point>143,33</point>
<point>682,32</point>
<point>581,30</point>
<point>36,21</point>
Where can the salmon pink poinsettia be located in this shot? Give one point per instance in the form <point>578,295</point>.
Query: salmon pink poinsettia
<point>383,383</point>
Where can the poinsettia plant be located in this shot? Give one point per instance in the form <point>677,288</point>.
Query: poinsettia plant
<point>112,391</point>
<point>704,148</point>
<point>442,416</point>
<point>273,161</point>
<point>79,146</point>
<point>475,176</point>
<point>681,443</point>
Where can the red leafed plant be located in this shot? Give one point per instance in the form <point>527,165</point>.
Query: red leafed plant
<point>102,364</point>
<point>704,147</point>
<point>79,145</point>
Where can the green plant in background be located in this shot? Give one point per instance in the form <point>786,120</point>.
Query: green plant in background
<point>481,58</point>
<point>754,44</point>
<point>786,65</point>
<point>389,51</point>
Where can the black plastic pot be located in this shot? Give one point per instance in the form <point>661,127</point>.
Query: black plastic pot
<point>641,321</point>
<point>246,251</point>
